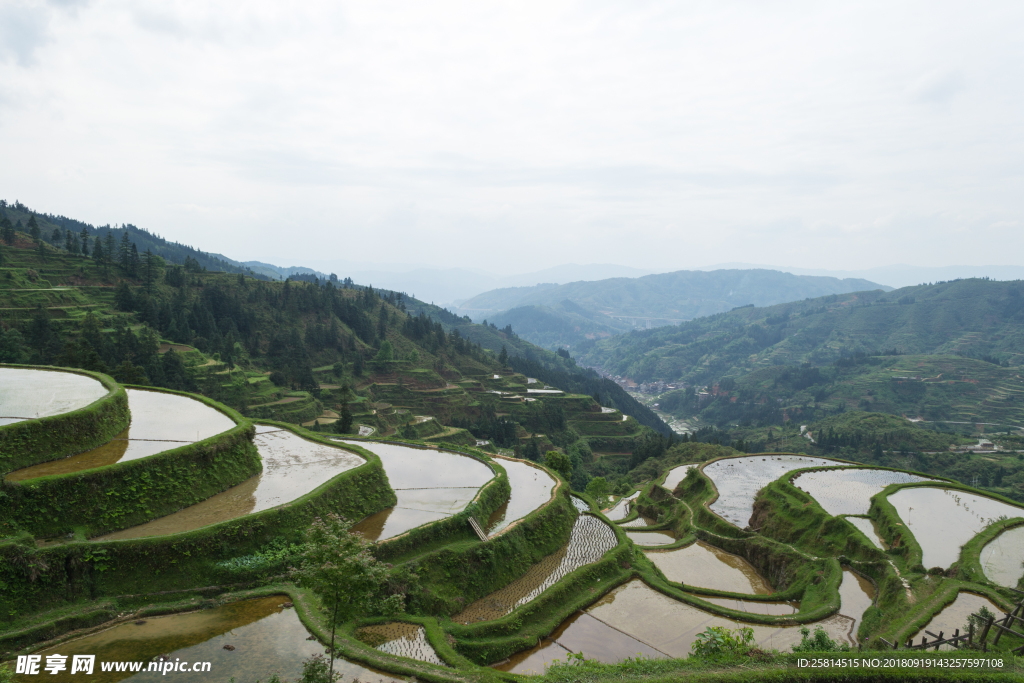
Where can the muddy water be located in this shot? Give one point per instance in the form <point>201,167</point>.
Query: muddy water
<point>401,639</point>
<point>942,520</point>
<point>671,626</point>
<point>849,492</point>
<point>160,422</point>
<point>430,485</point>
<point>706,566</point>
<point>292,467</point>
<point>856,594</point>
<point>954,616</point>
<point>739,479</point>
<point>649,538</point>
<point>267,638</point>
<point>531,488</point>
<point>29,394</point>
<point>635,618</point>
<point>869,529</point>
<point>1003,558</point>
<point>591,538</point>
<point>584,633</point>
<point>676,475</point>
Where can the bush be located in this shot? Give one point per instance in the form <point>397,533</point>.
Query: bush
<point>718,641</point>
<point>819,642</point>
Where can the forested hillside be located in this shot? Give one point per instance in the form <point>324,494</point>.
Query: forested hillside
<point>972,317</point>
<point>328,353</point>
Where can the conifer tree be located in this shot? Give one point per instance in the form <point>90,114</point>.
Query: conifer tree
<point>85,242</point>
<point>56,237</point>
<point>33,227</point>
<point>124,253</point>
<point>69,242</point>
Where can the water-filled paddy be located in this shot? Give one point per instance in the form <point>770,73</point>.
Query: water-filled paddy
<point>531,488</point>
<point>430,485</point>
<point>621,508</point>
<point>650,538</point>
<point>636,618</point>
<point>870,530</point>
<point>401,639</point>
<point>676,475</point>
<point>671,626</point>
<point>1002,559</point>
<point>954,616</point>
<point>292,467</point>
<point>704,565</point>
<point>29,394</point>
<point>581,632</point>
<point>942,519</point>
<point>267,638</point>
<point>639,522</point>
<point>849,492</point>
<point>160,422</point>
<point>739,479</point>
<point>591,538</point>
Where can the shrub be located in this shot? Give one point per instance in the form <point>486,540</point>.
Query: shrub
<point>718,641</point>
<point>819,642</point>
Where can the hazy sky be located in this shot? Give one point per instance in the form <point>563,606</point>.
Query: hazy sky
<point>520,135</point>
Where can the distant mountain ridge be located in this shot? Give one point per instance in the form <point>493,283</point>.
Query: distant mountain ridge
<point>558,315</point>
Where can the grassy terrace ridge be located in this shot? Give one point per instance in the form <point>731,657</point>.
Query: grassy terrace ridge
<point>113,497</point>
<point>31,442</point>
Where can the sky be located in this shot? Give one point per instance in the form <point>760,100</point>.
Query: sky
<point>514,136</point>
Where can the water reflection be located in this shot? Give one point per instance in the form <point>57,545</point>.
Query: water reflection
<point>706,566</point>
<point>266,638</point>
<point>160,422</point>
<point>870,530</point>
<point>531,488</point>
<point>292,467</point>
<point>942,520</point>
<point>954,616</point>
<point>1003,558</point>
<point>849,492</point>
<point>649,538</point>
<point>29,394</point>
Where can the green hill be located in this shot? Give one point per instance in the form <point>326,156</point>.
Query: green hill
<point>973,317</point>
<point>559,315</point>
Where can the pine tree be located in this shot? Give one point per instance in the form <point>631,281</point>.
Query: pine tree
<point>133,261</point>
<point>69,242</point>
<point>503,357</point>
<point>56,237</point>
<point>33,227</point>
<point>124,253</point>
<point>109,246</point>
<point>97,252</point>
<point>6,230</point>
<point>41,250</point>
<point>85,242</point>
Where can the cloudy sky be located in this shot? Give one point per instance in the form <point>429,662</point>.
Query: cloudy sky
<point>518,135</point>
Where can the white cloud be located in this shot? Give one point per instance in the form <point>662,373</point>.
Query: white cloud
<point>651,134</point>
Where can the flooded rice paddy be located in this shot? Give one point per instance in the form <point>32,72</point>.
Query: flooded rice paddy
<point>943,519</point>
<point>639,522</point>
<point>739,479</point>
<point>849,492</point>
<point>676,475</point>
<point>580,504</point>
<point>1003,558</point>
<point>651,538</point>
<point>29,394</point>
<point>774,609</point>
<point>267,638</point>
<point>621,508</point>
<point>870,530</point>
<point>430,485</point>
<point>402,640</point>
<point>591,538</point>
<point>292,467</point>
<point>954,616</point>
<point>581,632</point>
<point>636,618</point>
<point>531,488</point>
<point>159,423</point>
<point>704,565</point>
